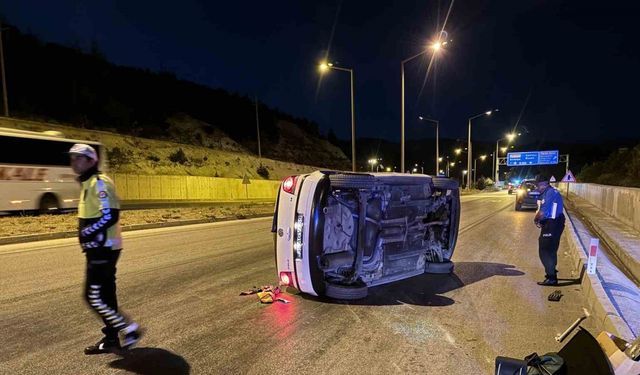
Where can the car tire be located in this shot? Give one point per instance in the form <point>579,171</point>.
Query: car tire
<point>346,292</point>
<point>352,181</point>
<point>445,183</point>
<point>445,267</point>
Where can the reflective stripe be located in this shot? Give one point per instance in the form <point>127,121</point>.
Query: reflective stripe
<point>554,208</point>
<point>102,195</point>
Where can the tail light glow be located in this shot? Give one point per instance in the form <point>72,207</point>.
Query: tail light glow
<point>289,184</point>
<point>285,278</point>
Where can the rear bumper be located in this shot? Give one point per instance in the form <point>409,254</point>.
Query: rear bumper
<point>299,221</point>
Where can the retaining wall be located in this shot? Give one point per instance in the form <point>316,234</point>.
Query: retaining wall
<point>144,187</point>
<point>620,202</point>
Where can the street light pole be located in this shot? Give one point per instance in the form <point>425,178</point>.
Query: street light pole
<point>258,129</point>
<point>436,47</point>
<point>487,113</point>
<point>437,140</point>
<point>353,127</point>
<point>5,99</point>
<point>475,168</point>
<point>324,67</point>
<point>496,155</point>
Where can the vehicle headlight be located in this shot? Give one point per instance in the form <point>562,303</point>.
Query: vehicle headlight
<point>298,227</point>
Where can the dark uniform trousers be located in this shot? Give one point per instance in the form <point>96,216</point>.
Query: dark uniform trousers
<point>100,288</point>
<point>548,244</point>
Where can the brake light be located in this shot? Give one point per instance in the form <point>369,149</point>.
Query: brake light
<point>285,278</point>
<point>289,184</point>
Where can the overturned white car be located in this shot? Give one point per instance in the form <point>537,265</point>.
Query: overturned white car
<point>338,233</point>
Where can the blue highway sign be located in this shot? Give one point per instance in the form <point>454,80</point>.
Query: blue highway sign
<point>515,159</point>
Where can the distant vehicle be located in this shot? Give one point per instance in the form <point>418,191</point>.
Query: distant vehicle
<point>337,233</point>
<point>527,195</point>
<point>34,171</point>
<point>512,185</point>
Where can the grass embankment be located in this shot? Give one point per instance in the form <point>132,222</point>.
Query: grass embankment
<point>11,226</point>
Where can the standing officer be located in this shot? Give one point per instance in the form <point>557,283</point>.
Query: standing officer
<point>101,241</point>
<point>550,219</point>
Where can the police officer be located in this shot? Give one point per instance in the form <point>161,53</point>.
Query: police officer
<point>550,219</point>
<point>101,241</point>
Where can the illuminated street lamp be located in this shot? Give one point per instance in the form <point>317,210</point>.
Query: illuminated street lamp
<point>464,172</point>
<point>435,47</point>
<point>475,170</point>
<point>487,113</point>
<point>452,164</point>
<point>325,67</point>
<point>509,137</point>
<point>373,162</point>
<point>457,151</point>
<point>437,139</point>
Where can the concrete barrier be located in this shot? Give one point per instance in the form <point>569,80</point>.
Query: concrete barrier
<point>620,202</point>
<point>603,312</point>
<point>143,187</point>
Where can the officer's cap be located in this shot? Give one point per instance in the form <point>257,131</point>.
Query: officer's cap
<point>84,149</point>
<point>542,177</point>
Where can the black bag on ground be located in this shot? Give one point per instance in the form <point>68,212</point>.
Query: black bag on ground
<point>547,364</point>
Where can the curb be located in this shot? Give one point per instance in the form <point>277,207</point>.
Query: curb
<point>602,310</point>
<point>128,228</point>
<point>631,264</point>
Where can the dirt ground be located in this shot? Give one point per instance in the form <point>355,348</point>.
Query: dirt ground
<point>17,225</point>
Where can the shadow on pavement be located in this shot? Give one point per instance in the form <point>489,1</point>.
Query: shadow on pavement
<point>426,289</point>
<point>567,282</point>
<point>148,361</point>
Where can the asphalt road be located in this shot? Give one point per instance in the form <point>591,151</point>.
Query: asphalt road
<point>182,285</point>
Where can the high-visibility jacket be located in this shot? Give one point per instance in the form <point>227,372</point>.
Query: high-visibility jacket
<point>97,200</point>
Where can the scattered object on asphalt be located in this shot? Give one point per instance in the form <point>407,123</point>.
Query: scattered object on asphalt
<point>254,290</point>
<point>560,337</point>
<point>555,296</point>
<point>266,294</point>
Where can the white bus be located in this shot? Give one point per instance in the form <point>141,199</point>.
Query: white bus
<point>34,171</point>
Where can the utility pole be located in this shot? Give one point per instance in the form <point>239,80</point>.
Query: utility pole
<point>258,128</point>
<point>4,79</point>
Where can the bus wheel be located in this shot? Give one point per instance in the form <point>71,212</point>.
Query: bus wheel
<point>48,204</point>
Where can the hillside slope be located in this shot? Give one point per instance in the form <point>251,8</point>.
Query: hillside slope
<point>137,155</point>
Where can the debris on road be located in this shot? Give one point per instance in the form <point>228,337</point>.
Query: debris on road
<point>555,296</point>
<point>266,294</point>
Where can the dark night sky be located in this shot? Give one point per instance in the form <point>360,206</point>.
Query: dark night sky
<point>568,69</point>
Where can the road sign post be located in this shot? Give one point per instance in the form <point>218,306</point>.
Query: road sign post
<point>593,256</point>
<point>568,178</point>
<point>246,182</point>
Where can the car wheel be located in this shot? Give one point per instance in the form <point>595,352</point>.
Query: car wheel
<point>346,292</point>
<point>445,183</point>
<point>439,267</point>
<point>352,181</point>
<point>48,204</point>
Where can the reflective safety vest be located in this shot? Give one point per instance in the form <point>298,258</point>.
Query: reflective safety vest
<point>98,194</point>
